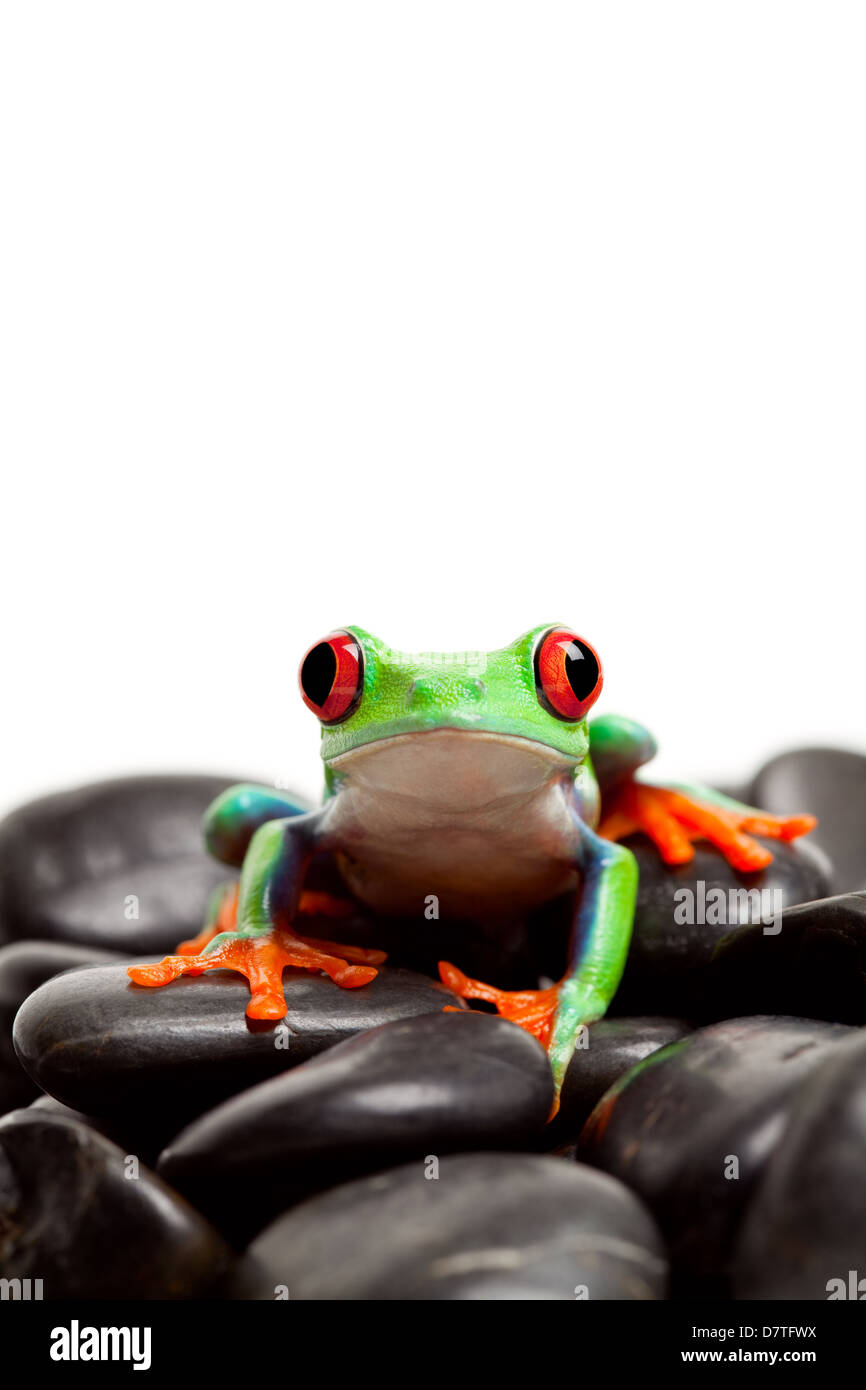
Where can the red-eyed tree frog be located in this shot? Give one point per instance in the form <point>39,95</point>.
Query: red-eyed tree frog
<point>474,777</point>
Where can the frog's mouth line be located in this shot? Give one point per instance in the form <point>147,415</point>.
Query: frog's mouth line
<point>453,766</point>
<point>450,730</point>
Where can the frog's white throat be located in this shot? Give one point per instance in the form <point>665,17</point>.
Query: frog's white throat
<point>480,820</point>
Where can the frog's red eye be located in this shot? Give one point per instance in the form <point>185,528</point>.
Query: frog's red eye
<point>567,674</point>
<point>331,677</point>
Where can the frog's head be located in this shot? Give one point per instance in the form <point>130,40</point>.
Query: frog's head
<point>526,705</point>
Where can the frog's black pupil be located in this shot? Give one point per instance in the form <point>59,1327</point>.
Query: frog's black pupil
<point>318,672</point>
<point>581,668</point>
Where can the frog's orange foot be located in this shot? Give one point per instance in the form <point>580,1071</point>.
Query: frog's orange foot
<point>262,959</point>
<point>532,1009</point>
<point>673,820</point>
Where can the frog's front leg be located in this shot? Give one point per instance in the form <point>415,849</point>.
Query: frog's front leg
<point>263,942</point>
<point>599,943</point>
<point>229,824</point>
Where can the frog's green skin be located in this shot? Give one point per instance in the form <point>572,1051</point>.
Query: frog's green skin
<point>451,778</point>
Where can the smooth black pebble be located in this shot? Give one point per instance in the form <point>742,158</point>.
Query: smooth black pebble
<point>119,864</point>
<point>814,965</point>
<point>669,955</point>
<point>72,1218</point>
<point>613,1046</point>
<point>432,1085</point>
<point>804,1236</point>
<point>103,1045</point>
<point>485,1226</point>
<point>691,1129</point>
<point>831,784</point>
<point>24,965</point>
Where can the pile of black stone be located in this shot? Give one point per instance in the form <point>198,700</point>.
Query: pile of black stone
<point>156,1144</point>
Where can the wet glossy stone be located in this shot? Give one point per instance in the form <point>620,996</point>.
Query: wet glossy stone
<point>79,865</point>
<point>804,1236</point>
<point>490,1226</point>
<point>436,1084</point>
<point>815,965</point>
<point>70,1217</point>
<point>103,1045</point>
<point>669,955</point>
<point>24,965</point>
<point>831,783</point>
<point>692,1128</point>
<point>613,1046</point>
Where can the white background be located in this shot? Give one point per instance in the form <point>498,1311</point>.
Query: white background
<point>444,319</point>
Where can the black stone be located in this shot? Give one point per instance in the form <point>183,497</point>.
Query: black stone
<point>103,1045</point>
<point>491,1226</point>
<point>668,959</point>
<point>70,1217</point>
<point>70,862</point>
<point>814,966</point>
<point>131,1136</point>
<point>831,784</point>
<point>437,1084</point>
<point>613,1046</point>
<point>806,1224</point>
<point>24,965</point>
<point>671,1127</point>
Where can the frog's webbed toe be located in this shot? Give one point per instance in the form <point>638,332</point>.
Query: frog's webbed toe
<point>262,957</point>
<point>532,1009</point>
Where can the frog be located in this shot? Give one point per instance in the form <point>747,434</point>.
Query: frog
<point>477,781</point>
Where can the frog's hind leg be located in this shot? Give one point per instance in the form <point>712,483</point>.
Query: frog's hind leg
<point>675,817</point>
<point>618,747</point>
<point>231,821</point>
